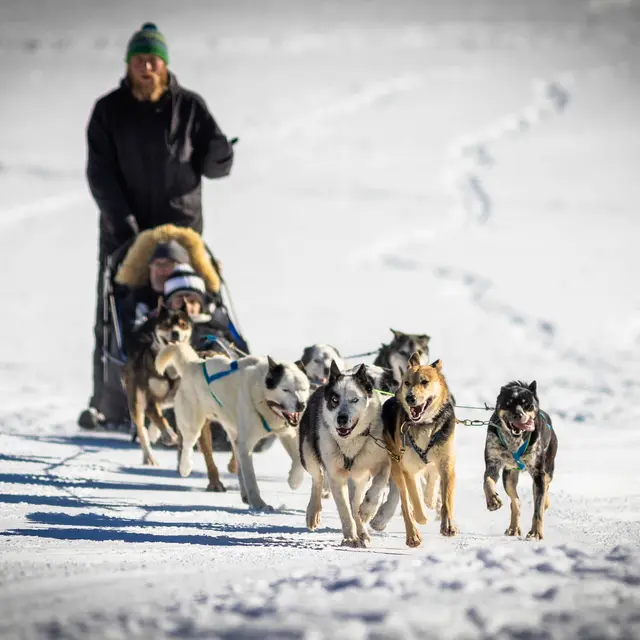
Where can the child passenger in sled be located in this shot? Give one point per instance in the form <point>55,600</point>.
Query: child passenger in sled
<point>184,287</point>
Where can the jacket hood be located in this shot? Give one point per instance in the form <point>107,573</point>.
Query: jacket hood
<point>134,270</point>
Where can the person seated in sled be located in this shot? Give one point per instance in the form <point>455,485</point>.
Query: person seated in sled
<point>163,261</point>
<point>185,288</point>
<point>149,262</point>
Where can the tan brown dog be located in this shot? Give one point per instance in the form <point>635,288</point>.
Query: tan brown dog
<point>419,431</point>
<point>147,391</point>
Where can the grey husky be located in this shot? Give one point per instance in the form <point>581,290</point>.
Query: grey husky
<point>340,436</point>
<point>396,354</point>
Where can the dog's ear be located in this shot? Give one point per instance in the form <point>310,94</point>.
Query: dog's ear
<point>437,365</point>
<point>183,306</point>
<point>300,366</point>
<point>274,375</point>
<point>397,334</point>
<point>334,372</point>
<point>362,378</point>
<point>533,387</point>
<point>337,352</point>
<point>307,354</point>
<point>424,339</point>
<point>414,360</point>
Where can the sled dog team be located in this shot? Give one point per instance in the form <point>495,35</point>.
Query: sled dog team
<point>379,430</point>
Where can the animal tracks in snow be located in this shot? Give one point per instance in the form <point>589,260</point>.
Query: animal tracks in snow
<point>472,154</point>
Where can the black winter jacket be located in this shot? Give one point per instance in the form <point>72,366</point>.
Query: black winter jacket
<point>145,160</point>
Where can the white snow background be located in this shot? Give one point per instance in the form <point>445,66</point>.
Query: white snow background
<point>464,169</point>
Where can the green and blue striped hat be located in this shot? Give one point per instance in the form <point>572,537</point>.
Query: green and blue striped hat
<point>148,41</point>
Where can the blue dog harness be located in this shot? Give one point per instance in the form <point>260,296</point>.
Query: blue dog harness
<point>233,367</point>
<point>517,455</point>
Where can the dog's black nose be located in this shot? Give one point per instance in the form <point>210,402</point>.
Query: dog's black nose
<point>342,419</point>
<point>326,371</point>
<point>411,399</point>
<point>175,335</point>
<point>300,406</point>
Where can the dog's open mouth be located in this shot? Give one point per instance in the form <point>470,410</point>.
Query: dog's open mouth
<point>343,432</point>
<point>517,427</point>
<point>415,413</point>
<point>292,418</point>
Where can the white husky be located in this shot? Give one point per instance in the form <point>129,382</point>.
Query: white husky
<point>251,397</point>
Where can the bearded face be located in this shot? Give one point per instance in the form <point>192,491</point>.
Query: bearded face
<point>148,77</point>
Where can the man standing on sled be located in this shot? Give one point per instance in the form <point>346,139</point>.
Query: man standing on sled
<point>149,141</point>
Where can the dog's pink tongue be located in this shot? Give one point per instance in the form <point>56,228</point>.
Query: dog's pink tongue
<point>527,426</point>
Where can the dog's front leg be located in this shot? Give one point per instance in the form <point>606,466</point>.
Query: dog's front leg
<point>340,491</point>
<point>160,425</point>
<point>296,473</point>
<point>411,482</point>
<point>373,497</point>
<point>189,435</point>
<point>540,487</point>
<point>491,473</point>
<point>414,539</point>
<point>387,510</point>
<point>245,468</point>
<point>359,488</point>
<point>448,491</point>
<point>510,482</point>
<point>431,495</point>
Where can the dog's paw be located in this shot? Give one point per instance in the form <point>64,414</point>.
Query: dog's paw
<point>243,497</point>
<point>313,519</point>
<point>414,540</point>
<point>185,468</point>
<point>351,542</point>
<point>513,531</point>
<point>535,535</point>
<point>378,524</point>
<point>150,461</point>
<point>216,487</point>
<point>154,434</point>
<point>367,510</point>
<point>169,439</point>
<point>448,529</point>
<point>296,476</point>
<point>262,506</point>
<point>365,538</point>
<point>494,502</point>
<point>232,467</point>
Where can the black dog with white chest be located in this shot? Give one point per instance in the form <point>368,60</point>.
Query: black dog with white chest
<point>520,437</point>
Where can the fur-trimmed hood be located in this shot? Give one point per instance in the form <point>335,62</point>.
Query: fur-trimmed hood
<point>134,270</point>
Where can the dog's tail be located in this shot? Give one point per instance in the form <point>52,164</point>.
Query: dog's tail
<point>178,356</point>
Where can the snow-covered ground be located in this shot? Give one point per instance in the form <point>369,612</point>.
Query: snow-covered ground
<point>465,169</point>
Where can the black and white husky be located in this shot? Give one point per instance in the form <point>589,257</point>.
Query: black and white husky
<point>338,434</point>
